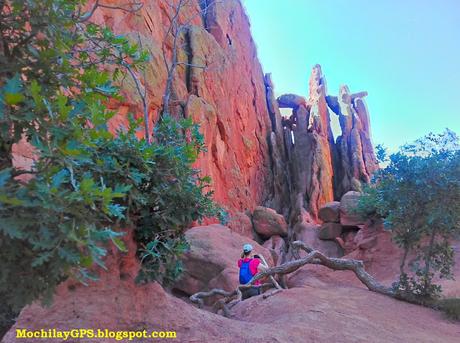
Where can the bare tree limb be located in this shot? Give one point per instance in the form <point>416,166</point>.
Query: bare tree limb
<point>277,285</point>
<point>89,14</point>
<point>344,264</point>
<point>197,298</point>
<point>138,6</point>
<point>97,4</point>
<point>143,96</point>
<point>313,257</point>
<point>192,65</point>
<point>276,291</point>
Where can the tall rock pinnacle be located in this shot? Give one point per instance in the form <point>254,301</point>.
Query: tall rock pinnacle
<point>317,169</point>
<point>355,159</point>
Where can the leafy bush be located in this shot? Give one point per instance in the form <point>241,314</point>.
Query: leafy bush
<point>418,195</point>
<point>450,307</point>
<point>86,183</point>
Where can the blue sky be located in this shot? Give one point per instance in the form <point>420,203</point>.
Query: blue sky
<point>405,53</point>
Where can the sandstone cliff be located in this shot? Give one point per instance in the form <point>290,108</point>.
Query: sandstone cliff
<point>225,93</point>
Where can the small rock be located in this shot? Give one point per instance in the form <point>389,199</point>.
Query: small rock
<point>348,203</point>
<point>330,231</point>
<point>268,223</point>
<point>291,101</point>
<point>330,212</point>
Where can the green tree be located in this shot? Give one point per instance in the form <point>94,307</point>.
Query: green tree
<point>58,73</point>
<point>418,195</point>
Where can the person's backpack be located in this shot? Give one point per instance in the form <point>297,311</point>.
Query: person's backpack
<point>245,272</point>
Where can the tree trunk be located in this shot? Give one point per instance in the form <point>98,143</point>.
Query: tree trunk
<point>426,271</point>
<point>403,260</point>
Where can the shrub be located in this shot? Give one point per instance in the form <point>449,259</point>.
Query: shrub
<point>450,307</point>
<point>58,72</point>
<point>418,195</point>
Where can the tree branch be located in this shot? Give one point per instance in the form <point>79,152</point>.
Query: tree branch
<point>313,257</point>
<point>89,14</point>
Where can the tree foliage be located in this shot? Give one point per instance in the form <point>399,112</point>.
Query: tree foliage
<point>418,195</point>
<point>58,73</point>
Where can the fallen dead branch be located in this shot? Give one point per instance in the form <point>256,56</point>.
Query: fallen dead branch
<point>313,257</point>
<point>356,266</point>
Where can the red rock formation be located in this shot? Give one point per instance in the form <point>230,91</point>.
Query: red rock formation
<point>268,223</point>
<point>312,169</point>
<point>227,97</point>
<point>355,159</point>
<point>279,146</point>
<point>308,143</point>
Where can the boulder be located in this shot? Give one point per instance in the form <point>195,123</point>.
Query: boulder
<point>309,234</point>
<point>268,223</point>
<point>330,212</point>
<point>348,203</point>
<point>330,231</point>
<point>291,101</point>
<point>212,259</point>
<point>241,223</point>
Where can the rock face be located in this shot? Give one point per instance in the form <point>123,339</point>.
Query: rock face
<point>268,223</point>
<point>279,143</point>
<point>212,259</point>
<point>291,101</point>
<point>255,156</point>
<point>227,97</point>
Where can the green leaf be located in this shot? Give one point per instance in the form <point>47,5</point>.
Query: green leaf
<point>5,176</point>
<point>35,90</point>
<point>13,85</point>
<point>13,201</point>
<point>86,185</point>
<point>119,244</point>
<point>41,259</point>
<point>59,178</point>
<point>13,98</point>
<point>86,261</point>
<point>116,210</point>
<point>64,109</point>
